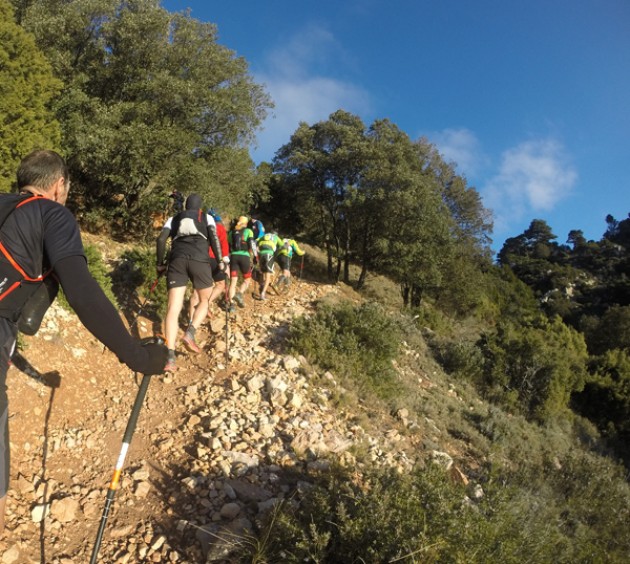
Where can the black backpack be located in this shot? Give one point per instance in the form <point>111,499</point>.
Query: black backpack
<point>237,242</point>
<point>16,286</point>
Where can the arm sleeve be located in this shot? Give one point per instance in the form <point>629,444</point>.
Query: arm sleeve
<point>98,314</point>
<point>251,244</point>
<point>297,249</point>
<point>161,245</point>
<point>213,240</point>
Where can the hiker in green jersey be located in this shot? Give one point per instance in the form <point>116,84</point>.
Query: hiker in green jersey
<point>242,249</point>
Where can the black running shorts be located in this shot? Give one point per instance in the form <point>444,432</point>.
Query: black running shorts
<point>182,269</point>
<point>284,262</point>
<point>242,264</point>
<point>266,262</point>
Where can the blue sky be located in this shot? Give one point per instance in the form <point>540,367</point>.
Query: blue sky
<point>531,98</point>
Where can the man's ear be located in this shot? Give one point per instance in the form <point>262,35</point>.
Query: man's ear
<point>58,192</point>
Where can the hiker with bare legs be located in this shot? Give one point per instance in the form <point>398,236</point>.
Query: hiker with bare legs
<point>242,249</point>
<point>191,231</point>
<point>40,237</point>
<point>267,245</point>
<point>283,256</point>
<point>219,272</point>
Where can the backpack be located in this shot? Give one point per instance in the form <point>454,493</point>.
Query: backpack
<point>268,242</point>
<point>16,286</point>
<point>190,223</point>
<point>237,240</point>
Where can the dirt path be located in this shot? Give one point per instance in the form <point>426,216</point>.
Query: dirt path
<point>65,439</point>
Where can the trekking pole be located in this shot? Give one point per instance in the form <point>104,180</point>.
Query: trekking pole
<point>113,486</point>
<point>301,266</point>
<point>227,323</point>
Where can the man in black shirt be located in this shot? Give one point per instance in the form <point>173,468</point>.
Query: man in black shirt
<point>192,233</point>
<point>40,235</point>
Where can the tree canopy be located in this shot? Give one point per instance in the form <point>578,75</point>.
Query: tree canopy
<point>371,195</point>
<point>27,88</point>
<point>151,102</point>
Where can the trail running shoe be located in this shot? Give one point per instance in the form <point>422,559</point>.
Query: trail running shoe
<point>170,365</point>
<point>238,298</point>
<point>189,342</point>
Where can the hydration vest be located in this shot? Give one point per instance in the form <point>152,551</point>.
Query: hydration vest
<point>237,242</point>
<point>16,286</point>
<point>190,223</point>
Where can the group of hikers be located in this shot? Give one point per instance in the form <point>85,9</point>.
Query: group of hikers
<point>205,253</point>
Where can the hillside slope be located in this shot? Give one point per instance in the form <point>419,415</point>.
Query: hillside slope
<point>217,444</point>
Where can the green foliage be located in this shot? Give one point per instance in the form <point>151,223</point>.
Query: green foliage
<point>356,342</point>
<point>383,516</point>
<point>463,359</point>
<point>535,367</point>
<point>151,101</point>
<point>606,398</point>
<point>27,89</point>
<point>372,196</point>
<point>136,273</point>
<point>611,331</point>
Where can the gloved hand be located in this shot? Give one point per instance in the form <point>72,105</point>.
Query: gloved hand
<point>149,359</point>
<point>161,269</point>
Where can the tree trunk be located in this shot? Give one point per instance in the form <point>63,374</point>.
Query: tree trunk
<point>329,258</point>
<point>416,295</point>
<point>338,273</point>
<point>362,276</point>
<point>404,291</point>
<point>365,258</point>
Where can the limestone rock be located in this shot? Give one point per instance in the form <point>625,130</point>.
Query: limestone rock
<point>65,510</point>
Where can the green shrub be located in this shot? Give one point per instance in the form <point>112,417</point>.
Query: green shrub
<point>462,358</point>
<point>534,367</point>
<point>423,516</point>
<point>356,342</point>
<point>136,273</point>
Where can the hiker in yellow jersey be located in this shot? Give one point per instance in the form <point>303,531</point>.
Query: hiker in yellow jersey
<point>267,246</point>
<point>283,256</point>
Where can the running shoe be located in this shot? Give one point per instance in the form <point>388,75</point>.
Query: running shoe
<point>170,365</point>
<point>189,342</point>
<point>238,298</point>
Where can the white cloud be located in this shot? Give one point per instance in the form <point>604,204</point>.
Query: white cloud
<point>533,177</point>
<point>461,147</point>
<point>295,77</point>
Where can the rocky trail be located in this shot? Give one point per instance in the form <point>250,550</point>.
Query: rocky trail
<point>216,446</point>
